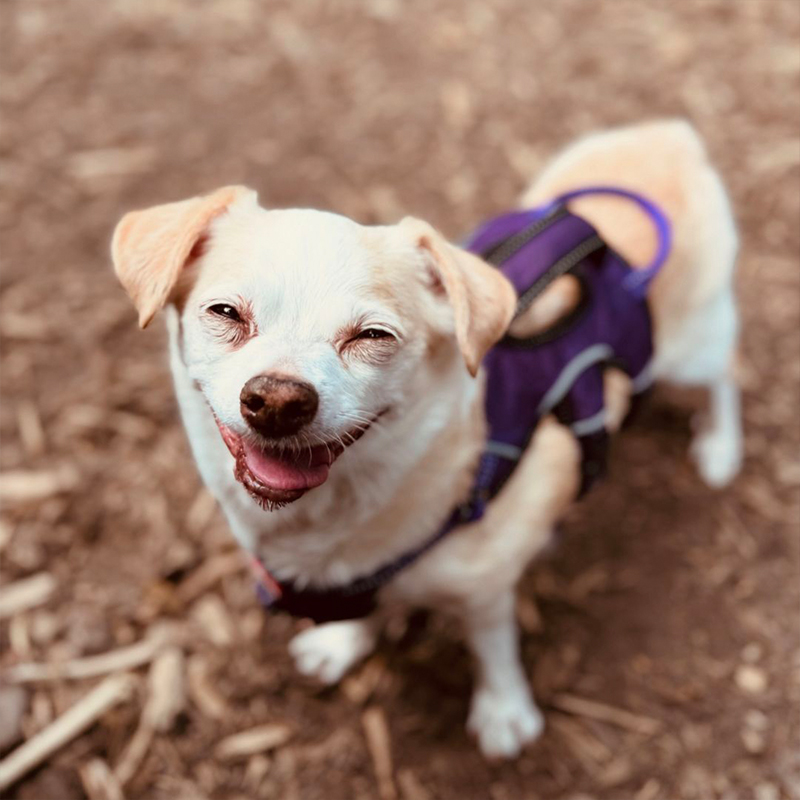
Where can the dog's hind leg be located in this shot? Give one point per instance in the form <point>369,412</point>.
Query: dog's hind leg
<point>703,353</point>
<point>503,715</point>
<point>328,651</point>
<point>717,444</point>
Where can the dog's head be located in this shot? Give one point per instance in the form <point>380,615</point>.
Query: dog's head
<point>303,328</point>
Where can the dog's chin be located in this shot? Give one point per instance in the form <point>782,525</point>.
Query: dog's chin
<point>276,475</point>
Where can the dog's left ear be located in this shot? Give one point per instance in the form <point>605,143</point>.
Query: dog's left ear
<point>151,247</point>
<point>483,300</point>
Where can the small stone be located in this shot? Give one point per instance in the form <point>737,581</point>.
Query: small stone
<point>13,704</point>
<point>751,679</point>
<point>753,741</point>
<point>754,732</point>
<point>766,791</point>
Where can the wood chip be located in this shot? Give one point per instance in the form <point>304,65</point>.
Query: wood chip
<point>587,749</point>
<point>26,593</point>
<point>201,511</point>
<point>109,162</point>
<point>26,327</point>
<point>124,658</point>
<point>376,731</point>
<point>166,689</point>
<point>202,692</point>
<point>257,768</point>
<point>27,486</point>
<point>210,613</point>
<point>581,707</point>
<point>255,740</point>
<point>166,698</point>
<point>14,702</point>
<point>67,727</point>
<point>19,636</point>
<point>751,679</point>
<point>31,431</point>
<point>649,791</point>
<point>529,616</point>
<point>208,574</point>
<point>99,782</point>
<point>361,685</point>
<point>410,787</point>
<point>134,753</point>
<point>6,532</point>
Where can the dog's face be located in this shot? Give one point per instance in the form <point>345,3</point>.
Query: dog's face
<point>302,328</point>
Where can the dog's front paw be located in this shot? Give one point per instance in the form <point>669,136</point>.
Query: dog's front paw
<point>504,721</point>
<point>327,652</point>
<point>718,455</point>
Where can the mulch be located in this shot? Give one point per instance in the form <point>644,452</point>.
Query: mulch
<point>660,633</point>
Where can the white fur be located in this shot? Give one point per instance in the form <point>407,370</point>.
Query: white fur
<point>306,273</point>
<point>327,652</point>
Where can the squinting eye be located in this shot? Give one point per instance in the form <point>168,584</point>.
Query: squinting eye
<point>224,310</point>
<point>373,333</point>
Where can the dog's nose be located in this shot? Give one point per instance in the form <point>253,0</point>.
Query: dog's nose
<point>275,406</point>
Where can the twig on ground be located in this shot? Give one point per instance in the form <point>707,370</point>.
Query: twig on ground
<point>379,744</point>
<point>27,486</point>
<point>99,782</point>
<point>410,787</point>
<point>27,593</point>
<point>68,726</point>
<point>124,658</point>
<point>256,740</point>
<point>581,707</point>
<point>165,700</point>
<point>588,750</point>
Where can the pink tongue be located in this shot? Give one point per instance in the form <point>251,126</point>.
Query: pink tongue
<point>288,472</point>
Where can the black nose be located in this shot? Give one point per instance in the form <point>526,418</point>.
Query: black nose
<point>276,406</point>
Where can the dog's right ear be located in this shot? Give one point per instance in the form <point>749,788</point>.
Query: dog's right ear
<point>151,247</point>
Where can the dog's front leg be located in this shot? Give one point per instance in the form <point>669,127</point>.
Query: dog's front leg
<point>328,651</point>
<point>503,715</point>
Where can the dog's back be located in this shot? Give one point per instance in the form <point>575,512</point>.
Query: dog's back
<point>692,299</point>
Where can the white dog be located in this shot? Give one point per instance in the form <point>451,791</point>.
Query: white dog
<point>329,379</point>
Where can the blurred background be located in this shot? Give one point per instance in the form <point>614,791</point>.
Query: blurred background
<point>663,599</point>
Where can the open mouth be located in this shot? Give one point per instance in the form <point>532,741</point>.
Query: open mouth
<point>277,475</point>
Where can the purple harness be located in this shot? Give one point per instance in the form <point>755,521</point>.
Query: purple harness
<point>558,371</point>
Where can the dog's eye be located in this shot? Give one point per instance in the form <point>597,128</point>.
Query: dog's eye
<point>224,310</point>
<point>373,333</point>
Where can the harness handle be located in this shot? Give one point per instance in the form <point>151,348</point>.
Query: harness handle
<point>639,279</point>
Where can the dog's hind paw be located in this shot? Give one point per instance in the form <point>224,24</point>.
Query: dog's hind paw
<point>718,455</point>
<point>504,722</point>
<point>328,651</point>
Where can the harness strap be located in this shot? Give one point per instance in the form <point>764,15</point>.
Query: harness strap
<point>357,598</point>
<point>561,267</point>
<point>639,279</point>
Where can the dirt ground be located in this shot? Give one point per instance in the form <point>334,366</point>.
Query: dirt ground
<point>664,599</point>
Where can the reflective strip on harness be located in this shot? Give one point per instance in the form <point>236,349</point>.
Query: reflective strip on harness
<point>571,373</point>
<point>583,427</point>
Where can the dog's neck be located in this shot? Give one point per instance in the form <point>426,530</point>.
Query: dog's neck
<point>386,494</point>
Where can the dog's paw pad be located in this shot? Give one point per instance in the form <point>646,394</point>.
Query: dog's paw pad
<point>718,457</point>
<point>504,722</point>
<point>327,652</point>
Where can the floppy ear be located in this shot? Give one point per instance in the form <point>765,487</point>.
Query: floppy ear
<point>483,300</point>
<point>150,247</point>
